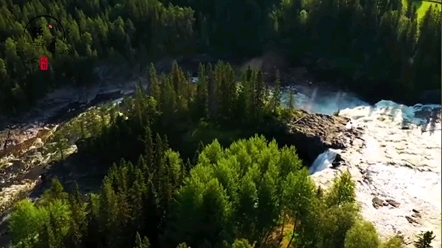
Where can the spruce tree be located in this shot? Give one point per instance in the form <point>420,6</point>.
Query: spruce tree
<point>424,240</point>
<point>276,96</point>
<point>141,243</point>
<point>148,147</point>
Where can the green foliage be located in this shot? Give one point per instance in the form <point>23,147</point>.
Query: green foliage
<point>362,234</point>
<point>56,192</point>
<point>238,196</point>
<point>342,191</point>
<point>143,31</point>
<point>182,245</point>
<point>188,112</point>
<point>253,212</point>
<point>241,243</point>
<point>236,193</point>
<point>141,243</point>
<point>393,242</point>
<point>26,221</point>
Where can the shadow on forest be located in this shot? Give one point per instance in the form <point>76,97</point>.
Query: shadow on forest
<point>87,171</point>
<point>417,4</point>
<point>83,170</point>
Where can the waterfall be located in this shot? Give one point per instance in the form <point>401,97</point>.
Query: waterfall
<point>323,161</point>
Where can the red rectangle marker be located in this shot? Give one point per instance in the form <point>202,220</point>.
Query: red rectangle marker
<point>44,63</point>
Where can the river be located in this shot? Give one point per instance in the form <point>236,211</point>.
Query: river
<point>399,160</point>
<point>397,169</point>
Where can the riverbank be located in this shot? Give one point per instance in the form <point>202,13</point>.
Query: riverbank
<point>325,74</point>
<point>304,73</point>
<point>396,166</point>
<point>313,134</point>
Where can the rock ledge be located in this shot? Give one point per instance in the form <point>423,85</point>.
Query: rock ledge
<point>315,133</point>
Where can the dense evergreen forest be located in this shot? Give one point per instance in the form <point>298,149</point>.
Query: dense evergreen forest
<point>251,192</point>
<point>172,184</point>
<point>379,47</point>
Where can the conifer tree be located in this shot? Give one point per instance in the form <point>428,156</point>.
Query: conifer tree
<point>202,92</point>
<point>424,240</point>
<point>77,224</point>
<point>260,96</point>
<point>149,147</point>
<point>291,100</point>
<point>141,243</point>
<point>154,85</point>
<point>55,192</point>
<point>276,96</point>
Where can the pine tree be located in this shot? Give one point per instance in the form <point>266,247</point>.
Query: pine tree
<point>55,192</point>
<point>77,225</point>
<point>291,101</point>
<point>154,85</point>
<point>424,240</point>
<point>137,203</point>
<point>259,95</point>
<point>211,91</point>
<point>46,237</point>
<point>202,92</point>
<point>141,243</point>
<point>276,96</point>
<point>198,152</point>
<point>178,78</point>
<point>148,147</point>
<point>109,213</point>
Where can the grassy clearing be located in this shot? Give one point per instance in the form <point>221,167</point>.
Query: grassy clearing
<point>423,6</point>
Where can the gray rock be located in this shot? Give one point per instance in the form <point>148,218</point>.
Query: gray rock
<point>377,203</point>
<point>312,134</point>
<point>393,203</point>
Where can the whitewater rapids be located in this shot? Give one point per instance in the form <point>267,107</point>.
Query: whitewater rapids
<point>397,161</point>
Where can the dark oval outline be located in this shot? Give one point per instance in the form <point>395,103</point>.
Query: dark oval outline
<point>48,16</point>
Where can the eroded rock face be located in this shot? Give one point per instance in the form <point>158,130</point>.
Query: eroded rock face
<point>315,133</point>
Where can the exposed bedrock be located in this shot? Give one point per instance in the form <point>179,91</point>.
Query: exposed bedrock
<point>312,134</point>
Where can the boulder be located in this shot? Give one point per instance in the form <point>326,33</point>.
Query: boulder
<point>393,203</point>
<point>312,134</point>
<point>377,202</point>
<point>337,162</point>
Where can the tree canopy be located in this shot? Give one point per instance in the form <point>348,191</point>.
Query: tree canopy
<point>187,170</point>
<point>189,191</point>
<point>240,196</point>
<point>373,45</point>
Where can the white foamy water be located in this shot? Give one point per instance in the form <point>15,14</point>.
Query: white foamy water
<point>398,158</point>
<point>321,101</point>
<point>323,161</point>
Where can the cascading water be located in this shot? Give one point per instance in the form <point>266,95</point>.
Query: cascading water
<point>323,161</point>
<point>321,101</point>
<point>398,159</point>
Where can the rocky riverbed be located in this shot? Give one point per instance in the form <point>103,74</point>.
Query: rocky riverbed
<point>396,164</point>
<point>392,151</point>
